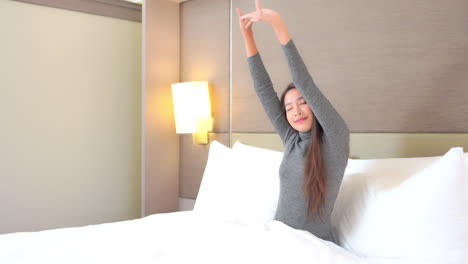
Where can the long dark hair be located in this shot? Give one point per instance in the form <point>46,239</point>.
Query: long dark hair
<point>314,183</point>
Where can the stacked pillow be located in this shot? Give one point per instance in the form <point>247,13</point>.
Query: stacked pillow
<point>215,195</point>
<point>411,208</point>
<point>240,183</point>
<point>466,160</point>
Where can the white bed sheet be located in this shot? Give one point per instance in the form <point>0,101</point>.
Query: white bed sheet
<point>182,237</point>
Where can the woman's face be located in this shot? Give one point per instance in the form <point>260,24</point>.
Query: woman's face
<point>298,112</point>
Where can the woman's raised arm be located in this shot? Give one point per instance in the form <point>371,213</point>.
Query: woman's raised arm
<point>247,33</point>
<point>262,82</point>
<point>334,126</point>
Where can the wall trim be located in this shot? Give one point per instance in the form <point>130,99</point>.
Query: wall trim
<point>109,8</point>
<point>143,110</point>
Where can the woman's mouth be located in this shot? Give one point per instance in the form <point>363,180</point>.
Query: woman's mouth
<point>300,120</point>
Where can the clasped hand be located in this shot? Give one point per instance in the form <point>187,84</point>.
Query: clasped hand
<point>262,14</point>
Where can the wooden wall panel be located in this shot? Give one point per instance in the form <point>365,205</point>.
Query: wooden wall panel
<point>396,66</point>
<point>205,52</point>
<point>204,56</point>
<point>160,142</point>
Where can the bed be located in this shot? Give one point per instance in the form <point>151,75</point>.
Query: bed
<point>398,203</point>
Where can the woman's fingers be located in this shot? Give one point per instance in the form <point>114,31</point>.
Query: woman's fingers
<point>245,21</point>
<point>250,16</point>
<point>249,21</point>
<point>239,12</point>
<point>246,16</point>
<point>259,8</point>
<point>249,24</point>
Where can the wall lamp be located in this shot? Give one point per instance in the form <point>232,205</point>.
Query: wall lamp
<point>192,110</point>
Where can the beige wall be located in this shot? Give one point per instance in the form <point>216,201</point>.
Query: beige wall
<point>70,114</point>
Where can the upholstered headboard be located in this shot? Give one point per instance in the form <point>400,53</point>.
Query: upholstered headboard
<point>375,145</point>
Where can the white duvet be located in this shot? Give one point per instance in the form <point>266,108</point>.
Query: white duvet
<point>183,237</point>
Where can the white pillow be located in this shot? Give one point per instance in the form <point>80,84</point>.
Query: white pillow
<point>362,181</point>
<point>241,184</point>
<point>466,160</point>
<point>414,208</point>
<point>258,172</point>
<point>215,189</point>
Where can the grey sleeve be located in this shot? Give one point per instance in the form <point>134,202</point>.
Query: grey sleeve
<point>268,97</point>
<point>334,127</point>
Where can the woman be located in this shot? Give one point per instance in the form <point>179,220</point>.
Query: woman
<point>315,137</point>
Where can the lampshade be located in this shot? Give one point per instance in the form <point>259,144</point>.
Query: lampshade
<point>192,109</point>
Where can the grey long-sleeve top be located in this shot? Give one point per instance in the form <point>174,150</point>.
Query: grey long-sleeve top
<point>292,207</point>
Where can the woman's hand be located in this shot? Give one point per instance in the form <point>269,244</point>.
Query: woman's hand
<point>246,28</point>
<point>263,14</point>
<point>247,33</point>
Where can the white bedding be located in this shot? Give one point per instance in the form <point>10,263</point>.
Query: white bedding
<point>435,232</point>
<point>183,237</point>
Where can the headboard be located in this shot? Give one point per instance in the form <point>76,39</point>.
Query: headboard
<point>375,145</point>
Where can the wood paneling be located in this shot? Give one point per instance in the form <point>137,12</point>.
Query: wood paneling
<point>161,143</point>
<point>396,66</point>
<point>204,56</point>
<point>205,52</point>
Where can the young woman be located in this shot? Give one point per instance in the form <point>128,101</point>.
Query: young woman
<point>315,137</point>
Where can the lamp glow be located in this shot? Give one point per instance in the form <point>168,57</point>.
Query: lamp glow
<point>192,110</point>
